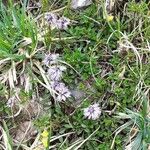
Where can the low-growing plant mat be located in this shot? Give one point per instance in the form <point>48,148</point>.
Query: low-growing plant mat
<point>74,77</point>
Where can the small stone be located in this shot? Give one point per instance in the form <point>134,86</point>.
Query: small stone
<point>75,4</point>
<point>78,94</point>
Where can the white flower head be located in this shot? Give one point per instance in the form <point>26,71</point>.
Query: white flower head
<point>50,59</point>
<point>63,23</point>
<point>92,112</point>
<point>55,72</point>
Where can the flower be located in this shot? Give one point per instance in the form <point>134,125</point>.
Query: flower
<point>109,18</point>
<point>50,59</point>
<point>62,91</point>
<point>45,142</point>
<point>63,23</point>
<point>55,72</point>
<point>51,18</point>
<point>92,112</point>
<point>56,22</point>
<point>63,94</point>
<point>57,86</point>
<point>45,133</point>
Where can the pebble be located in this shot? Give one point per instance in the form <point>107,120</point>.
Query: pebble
<point>76,4</point>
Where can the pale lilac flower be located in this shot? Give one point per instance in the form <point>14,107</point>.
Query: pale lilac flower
<point>57,86</point>
<point>51,18</point>
<point>55,72</point>
<point>63,23</point>
<point>63,94</point>
<point>50,59</point>
<point>56,22</point>
<point>92,112</point>
<point>62,91</point>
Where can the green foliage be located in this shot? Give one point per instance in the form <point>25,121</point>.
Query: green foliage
<point>141,122</point>
<point>139,8</point>
<point>15,26</point>
<point>80,61</point>
<point>42,122</point>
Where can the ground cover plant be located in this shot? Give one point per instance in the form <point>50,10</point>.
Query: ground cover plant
<point>74,75</point>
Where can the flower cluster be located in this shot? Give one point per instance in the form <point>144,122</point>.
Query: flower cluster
<point>57,22</point>
<point>55,73</point>
<point>92,112</point>
<point>61,92</point>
